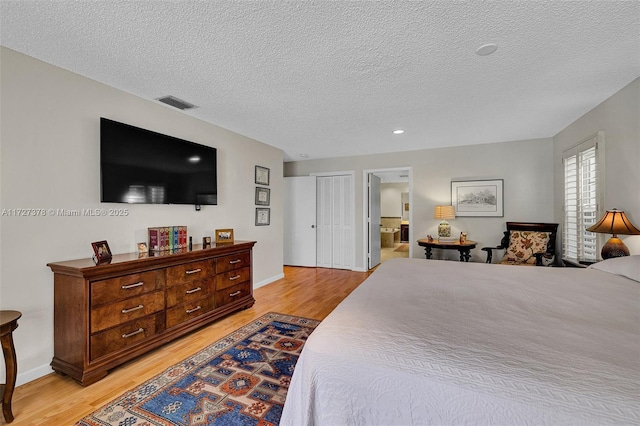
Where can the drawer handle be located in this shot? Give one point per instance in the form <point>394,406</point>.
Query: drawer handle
<point>133,333</point>
<point>197,308</point>
<point>234,278</point>
<point>126,287</point>
<point>233,262</point>
<point>126,311</point>
<point>193,271</point>
<point>235,293</point>
<point>194,290</point>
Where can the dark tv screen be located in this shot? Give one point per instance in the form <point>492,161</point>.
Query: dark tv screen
<point>141,166</point>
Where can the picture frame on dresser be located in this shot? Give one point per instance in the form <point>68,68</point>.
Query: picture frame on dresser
<point>224,236</point>
<point>101,252</point>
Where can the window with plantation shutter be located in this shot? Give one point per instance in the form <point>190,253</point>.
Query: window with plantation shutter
<point>582,168</point>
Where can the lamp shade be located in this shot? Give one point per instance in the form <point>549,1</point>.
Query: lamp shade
<point>444,212</point>
<point>614,222</point>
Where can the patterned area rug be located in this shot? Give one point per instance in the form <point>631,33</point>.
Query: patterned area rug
<point>241,379</point>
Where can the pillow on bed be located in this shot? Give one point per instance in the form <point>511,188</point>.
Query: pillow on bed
<point>627,266</point>
<point>522,246</point>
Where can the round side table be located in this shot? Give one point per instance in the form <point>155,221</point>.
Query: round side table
<point>8,323</point>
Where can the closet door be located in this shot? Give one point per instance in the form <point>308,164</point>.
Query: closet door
<point>323,221</point>
<point>342,216</point>
<point>335,222</point>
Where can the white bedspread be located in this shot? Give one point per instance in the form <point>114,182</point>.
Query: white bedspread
<point>441,343</point>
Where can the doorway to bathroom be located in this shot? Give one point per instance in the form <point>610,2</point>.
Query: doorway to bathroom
<point>387,211</point>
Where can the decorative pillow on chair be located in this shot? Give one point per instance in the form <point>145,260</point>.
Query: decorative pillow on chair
<point>522,246</point>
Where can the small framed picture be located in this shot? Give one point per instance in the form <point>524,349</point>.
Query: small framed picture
<point>262,175</point>
<point>206,242</point>
<point>142,248</point>
<point>224,236</point>
<point>263,216</point>
<point>102,253</point>
<point>263,196</point>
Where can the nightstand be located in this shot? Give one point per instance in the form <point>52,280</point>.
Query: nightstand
<point>577,263</point>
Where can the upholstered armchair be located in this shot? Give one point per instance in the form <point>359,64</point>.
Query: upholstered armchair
<point>527,244</point>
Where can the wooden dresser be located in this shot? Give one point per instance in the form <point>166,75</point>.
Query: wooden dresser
<point>105,315</point>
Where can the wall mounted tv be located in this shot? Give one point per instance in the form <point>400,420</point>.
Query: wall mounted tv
<point>141,166</point>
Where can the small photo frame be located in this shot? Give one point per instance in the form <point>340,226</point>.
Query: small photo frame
<point>142,248</point>
<point>263,196</point>
<point>262,175</point>
<point>263,216</point>
<point>224,236</point>
<point>206,242</point>
<point>102,252</point>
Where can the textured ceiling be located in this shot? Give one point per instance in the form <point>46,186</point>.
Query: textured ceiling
<point>334,78</point>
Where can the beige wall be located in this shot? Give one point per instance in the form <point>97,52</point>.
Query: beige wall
<point>50,159</point>
<point>391,198</point>
<point>619,118</point>
<point>525,166</point>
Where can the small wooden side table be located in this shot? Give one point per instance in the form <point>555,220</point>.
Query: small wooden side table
<point>463,248</point>
<point>8,323</point>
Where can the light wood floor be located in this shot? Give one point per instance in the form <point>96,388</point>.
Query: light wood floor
<point>58,400</point>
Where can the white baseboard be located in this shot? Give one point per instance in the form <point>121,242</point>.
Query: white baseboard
<point>359,270</point>
<point>268,281</point>
<point>33,374</point>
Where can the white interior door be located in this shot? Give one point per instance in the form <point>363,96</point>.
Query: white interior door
<point>341,223</point>
<point>373,218</point>
<point>300,221</point>
<point>335,221</point>
<point>324,231</point>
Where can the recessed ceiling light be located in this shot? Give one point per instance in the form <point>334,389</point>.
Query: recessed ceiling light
<point>487,49</point>
<point>398,132</point>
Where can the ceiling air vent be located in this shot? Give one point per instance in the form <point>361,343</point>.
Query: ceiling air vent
<point>176,103</point>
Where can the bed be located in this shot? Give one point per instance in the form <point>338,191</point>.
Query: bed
<point>443,343</point>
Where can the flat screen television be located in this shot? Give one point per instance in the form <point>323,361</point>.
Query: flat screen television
<point>141,166</point>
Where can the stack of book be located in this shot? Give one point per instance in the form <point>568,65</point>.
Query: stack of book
<point>167,238</point>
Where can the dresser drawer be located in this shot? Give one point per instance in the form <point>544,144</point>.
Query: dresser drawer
<point>188,310</point>
<point>190,291</point>
<point>113,289</point>
<point>117,313</point>
<point>112,340</point>
<point>231,294</point>
<point>233,261</point>
<point>189,272</point>
<point>232,278</point>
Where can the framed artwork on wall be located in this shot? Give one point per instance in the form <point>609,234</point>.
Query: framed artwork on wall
<point>262,175</point>
<point>263,196</point>
<point>263,216</point>
<point>480,198</point>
